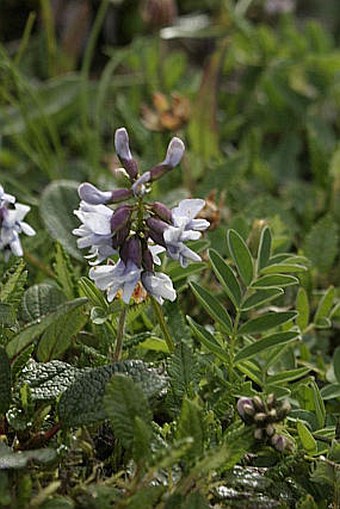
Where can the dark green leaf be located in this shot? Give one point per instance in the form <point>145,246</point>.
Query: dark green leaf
<point>124,402</point>
<point>336,363</point>
<point>283,268</point>
<point>39,300</point>
<point>321,243</point>
<point>32,330</point>
<point>260,297</point>
<point>241,255</point>
<point>274,281</point>
<point>288,375</point>
<point>266,321</point>
<point>331,391</point>
<point>276,339</point>
<point>213,307</point>
<point>264,249</point>
<point>7,314</point>
<point>64,272</point>
<point>302,307</point>
<point>325,305</point>
<point>208,340</point>
<point>226,277</point>
<point>10,459</point>
<point>82,402</point>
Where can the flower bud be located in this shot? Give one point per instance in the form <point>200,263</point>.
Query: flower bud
<point>147,260</point>
<point>270,430</point>
<point>162,211</point>
<point>92,195</point>
<point>260,417</point>
<point>119,238</point>
<point>245,409</point>
<point>258,403</point>
<point>156,225</point>
<point>259,434</point>
<point>123,152</point>
<point>173,156</point>
<point>120,218</point>
<point>271,400</point>
<point>132,251</point>
<point>272,415</point>
<point>279,442</point>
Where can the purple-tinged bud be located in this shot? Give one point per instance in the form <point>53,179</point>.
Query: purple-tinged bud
<point>147,258</point>
<point>132,251</point>
<point>174,154</point>
<point>119,238</point>
<point>92,195</point>
<point>279,442</point>
<point>162,211</point>
<point>123,152</point>
<point>246,409</point>
<point>157,237</point>
<point>121,194</point>
<point>120,218</point>
<point>156,225</point>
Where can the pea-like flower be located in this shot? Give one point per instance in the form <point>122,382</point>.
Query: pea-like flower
<point>12,224</point>
<point>112,278</point>
<point>95,232</point>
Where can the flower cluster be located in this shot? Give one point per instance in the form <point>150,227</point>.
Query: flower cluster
<point>136,231</point>
<point>265,415</point>
<point>12,224</point>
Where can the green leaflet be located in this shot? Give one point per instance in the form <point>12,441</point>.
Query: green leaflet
<point>307,440</point>
<point>275,280</point>
<point>57,338</point>
<point>266,322</point>
<point>241,255</point>
<point>82,402</point>
<point>325,305</point>
<point>260,297</point>
<point>5,382</point>
<point>302,307</point>
<point>264,249</point>
<point>64,272</point>
<point>13,460</point>
<point>226,277</point>
<point>32,330</point>
<point>279,338</point>
<point>213,307</point>
<point>12,285</point>
<point>208,340</point>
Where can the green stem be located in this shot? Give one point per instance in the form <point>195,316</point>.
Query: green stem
<point>163,325</point>
<point>120,334</point>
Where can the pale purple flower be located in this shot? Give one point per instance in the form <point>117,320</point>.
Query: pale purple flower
<point>95,232</point>
<point>123,152</point>
<point>112,278</point>
<point>92,195</point>
<point>185,227</point>
<point>12,224</point>
<point>159,285</point>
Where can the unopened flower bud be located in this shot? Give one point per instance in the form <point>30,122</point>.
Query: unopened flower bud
<point>174,153</point>
<point>123,152</point>
<point>162,211</point>
<point>138,188</point>
<point>284,409</point>
<point>119,238</point>
<point>92,195</point>
<point>258,403</point>
<point>156,225</point>
<point>120,218</point>
<point>173,156</point>
<point>259,434</point>
<point>147,259</point>
<point>271,400</point>
<point>260,417</point>
<point>270,430</point>
<point>246,409</point>
<point>279,442</point>
<point>272,415</point>
<point>132,251</point>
